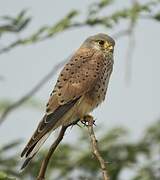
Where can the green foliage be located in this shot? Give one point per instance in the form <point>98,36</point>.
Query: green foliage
<point>4,103</point>
<point>8,163</point>
<point>14,24</point>
<point>119,152</point>
<point>63,24</point>
<point>98,6</point>
<point>93,18</point>
<point>3,176</point>
<point>146,173</point>
<point>157,16</point>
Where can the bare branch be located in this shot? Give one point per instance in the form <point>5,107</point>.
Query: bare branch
<point>67,23</point>
<point>45,162</point>
<point>88,119</point>
<point>44,165</point>
<point>95,149</point>
<point>19,102</point>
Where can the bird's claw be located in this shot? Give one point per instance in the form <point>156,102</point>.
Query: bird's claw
<point>88,121</point>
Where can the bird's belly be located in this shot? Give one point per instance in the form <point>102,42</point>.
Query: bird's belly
<point>88,102</point>
<point>84,106</point>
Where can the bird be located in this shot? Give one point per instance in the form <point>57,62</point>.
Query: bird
<point>80,88</point>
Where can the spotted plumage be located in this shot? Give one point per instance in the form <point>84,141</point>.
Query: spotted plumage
<point>81,87</point>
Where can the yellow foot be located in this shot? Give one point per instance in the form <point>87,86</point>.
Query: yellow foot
<point>88,120</point>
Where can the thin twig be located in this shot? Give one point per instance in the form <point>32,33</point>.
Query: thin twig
<point>44,165</point>
<point>95,149</point>
<point>24,98</point>
<point>42,33</point>
<point>94,143</point>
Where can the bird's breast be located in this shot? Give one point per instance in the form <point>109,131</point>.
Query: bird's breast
<point>98,93</point>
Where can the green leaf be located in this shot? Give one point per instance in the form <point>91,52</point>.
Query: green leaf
<point>62,24</point>
<point>104,3</point>
<point>2,175</point>
<point>4,103</point>
<point>157,16</point>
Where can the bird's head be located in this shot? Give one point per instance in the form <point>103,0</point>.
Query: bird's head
<point>100,42</point>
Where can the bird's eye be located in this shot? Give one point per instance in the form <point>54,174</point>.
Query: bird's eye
<point>101,42</point>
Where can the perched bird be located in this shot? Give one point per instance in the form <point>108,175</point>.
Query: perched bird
<point>81,87</point>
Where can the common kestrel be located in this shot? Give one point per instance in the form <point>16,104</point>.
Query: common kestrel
<point>81,87</point>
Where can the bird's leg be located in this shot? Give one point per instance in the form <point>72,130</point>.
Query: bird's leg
<point>88,120</point>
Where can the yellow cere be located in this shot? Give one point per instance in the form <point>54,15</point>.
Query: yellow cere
<point>108,46</point>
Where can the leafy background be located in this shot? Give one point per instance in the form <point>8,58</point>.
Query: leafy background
<point>35,40</point>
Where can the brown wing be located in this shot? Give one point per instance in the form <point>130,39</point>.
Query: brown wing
<point>77,78</point>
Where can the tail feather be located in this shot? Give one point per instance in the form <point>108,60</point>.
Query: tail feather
<point>26,162</point>
<point>45,127</point>
<point>31,152</point>
<point>30,149</point>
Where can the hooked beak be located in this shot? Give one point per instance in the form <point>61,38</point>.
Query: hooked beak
<point>108,46</point>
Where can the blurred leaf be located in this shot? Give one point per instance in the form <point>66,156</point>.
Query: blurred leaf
<point>20,17</point>
<point>4,104</point>
<point>119,153</point>
<point>97,6</point>
<point>62,24</point>
<point>104,3</point>
<point>113,135</point>
<point>7,18</point>
<point>23,24</point>
<point>145,173</point>
<point>157,16</point>
<point>15,24</point>
<point>2,175</point>
<point>117,149</point>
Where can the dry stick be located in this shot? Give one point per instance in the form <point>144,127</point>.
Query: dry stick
<point>41,175</point>
<point>44,165</point>
<point>95,150</point>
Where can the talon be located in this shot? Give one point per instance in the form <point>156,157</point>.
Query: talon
<point>94,123</point>
<point>84,122</point>
<point>88,120</point>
